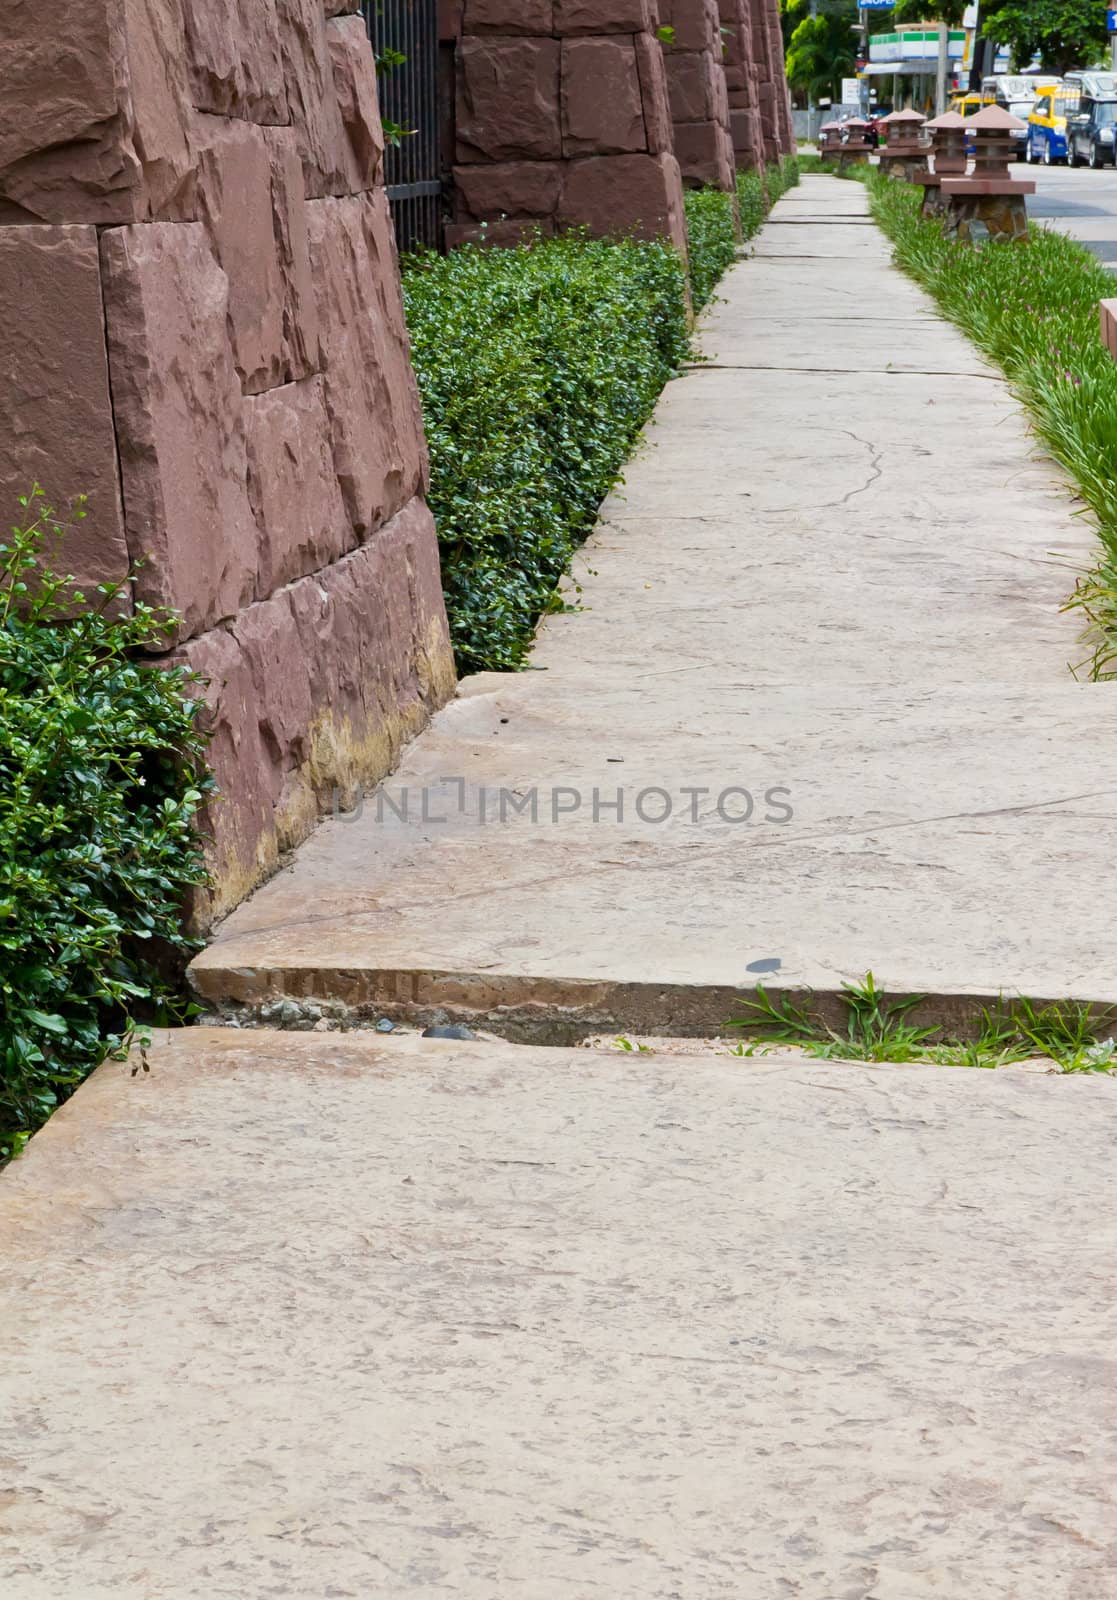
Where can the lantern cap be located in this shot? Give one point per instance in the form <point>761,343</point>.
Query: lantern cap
<point>995,119</point>
<point>949,119</point>
<point>903,116</point>
<point>854,122</point>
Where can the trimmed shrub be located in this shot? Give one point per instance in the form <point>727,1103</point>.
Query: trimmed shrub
<point>537,368</point>
<point>711,240</point>
<point>101,776</point>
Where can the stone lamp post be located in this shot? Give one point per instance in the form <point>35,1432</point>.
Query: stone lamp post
<point>856,148</point>
<point>989,204</point>
<point>948,153</point>
<point>904,154</point>
<point>829,137</point>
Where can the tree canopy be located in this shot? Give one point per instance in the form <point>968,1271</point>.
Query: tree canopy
<point>821,50</point>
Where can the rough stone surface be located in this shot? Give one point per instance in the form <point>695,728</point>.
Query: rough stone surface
<point>698,95</point>
<point>179,421</point>
<point>96,112</point>
<point>942,767</point>
<point>653,92</point>
<point>602,108</point>
<point>650,185</point>
<point>313,693</point>
<point>236,63</point>
<point>354,69</point>
<point>604,16</point>
<point>300,512</point>
<point>371,396</point>
<point>55,407</point>
<point>509,16</point>
<point>290,1308</point>
<point>236,172</point>
<point>517,188</point>
<point>312,97</point>
<point>508,100</point>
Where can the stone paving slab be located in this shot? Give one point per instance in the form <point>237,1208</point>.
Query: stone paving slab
<point>321,1315</point>
<point>846,582</point>
<point>924,844</point>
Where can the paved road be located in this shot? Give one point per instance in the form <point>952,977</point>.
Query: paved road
<point>1081,203</point>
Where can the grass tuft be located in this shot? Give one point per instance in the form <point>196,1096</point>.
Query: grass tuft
<point>878,1028</point>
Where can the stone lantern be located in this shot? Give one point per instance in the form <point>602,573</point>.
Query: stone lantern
<point>904,155</point>
<point>829,137</point>
<point>948,153</point>
<point>856,147</point>
<point>989,204</point>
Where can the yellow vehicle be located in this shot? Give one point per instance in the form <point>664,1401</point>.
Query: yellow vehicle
<point>1047,125</point>
<point>967,105</point>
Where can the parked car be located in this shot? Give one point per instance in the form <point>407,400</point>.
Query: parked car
<point>1090,133</point>
<point>1047,125</point>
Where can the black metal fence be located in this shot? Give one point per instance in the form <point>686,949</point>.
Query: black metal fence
<point>409,99</point>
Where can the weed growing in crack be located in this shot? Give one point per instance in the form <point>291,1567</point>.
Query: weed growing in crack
<point>879,1028</point>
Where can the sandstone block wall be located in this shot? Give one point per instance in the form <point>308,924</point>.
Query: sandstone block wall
<point>759,106</point>
<point>204,332</point>
<point>696,83</point>
<point>561,118</point>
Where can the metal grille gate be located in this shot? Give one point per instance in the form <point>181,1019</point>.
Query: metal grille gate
<point>409,97</point>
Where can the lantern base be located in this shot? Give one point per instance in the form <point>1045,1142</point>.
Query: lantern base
<point>907,164</point>
<point>976,218</point>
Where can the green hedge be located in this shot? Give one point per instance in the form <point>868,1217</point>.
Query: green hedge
<point>711,240</point>
<point>537,368</point>
<point>101,775</point>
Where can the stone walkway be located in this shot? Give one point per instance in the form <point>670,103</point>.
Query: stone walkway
<point>836,571</point>
<point>337,1315</point>
<point>322,1316</point>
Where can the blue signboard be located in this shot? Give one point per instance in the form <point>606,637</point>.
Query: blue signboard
<point>877,5</point>
<point>1111,22</point>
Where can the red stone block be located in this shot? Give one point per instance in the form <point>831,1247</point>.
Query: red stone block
<point>354,68</point>
<point>514,189</point>
<point>96,112</point>
<point>251,186</point>
<point>450,19</point>
<point>341,8</point>
<point>1107,314</point>
<point>692,88</point>
<point>653,92</point>
<point>602,109</point>
<point>179,422</point>
<point>371,397</point>
<point>236,67</point>
<point>235,183</point>
<point>604,16</point>
<point>55,407</point>
<point>704,154</point>
<point>292,484</point>
<point>313,692</point>
<point>312,97</point>
<point>617,195</point>
<point>301,353</point>
<point>696,24</point>
<point>508,100</point>
<point>509,16</point>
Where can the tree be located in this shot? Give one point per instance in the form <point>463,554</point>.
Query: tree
<point>1064,33</point>
<point>821,50</point>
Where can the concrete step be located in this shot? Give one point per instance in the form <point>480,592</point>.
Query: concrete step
<point>946,839</point>
<point>335,1315</point>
